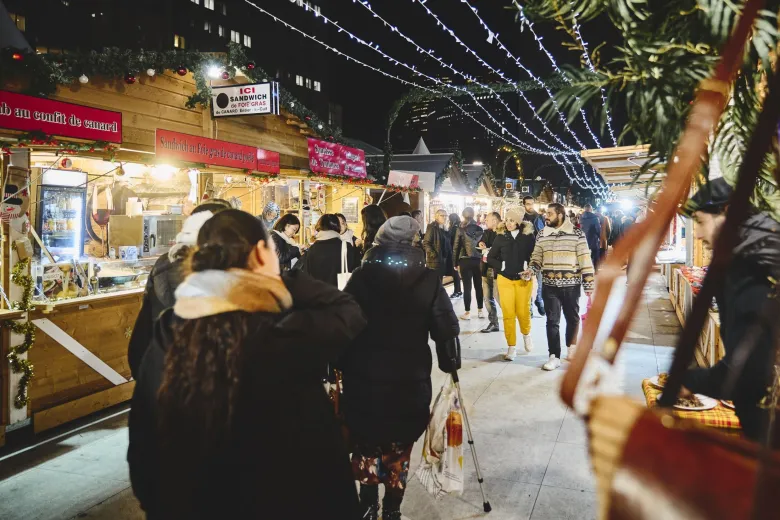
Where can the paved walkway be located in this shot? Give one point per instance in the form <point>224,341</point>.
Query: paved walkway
<point>532,449</point>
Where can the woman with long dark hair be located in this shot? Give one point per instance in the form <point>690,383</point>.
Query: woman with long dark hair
<point>387,372</point>
<point>228,413</point>
<point>323,259</point>
<point>286,248</point>
<point>373,218</point>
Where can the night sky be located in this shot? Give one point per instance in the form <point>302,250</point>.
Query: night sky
<point>367,96</point>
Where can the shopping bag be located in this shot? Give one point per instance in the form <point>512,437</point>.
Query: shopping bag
<point>344,276</point>
<point>441,471</point>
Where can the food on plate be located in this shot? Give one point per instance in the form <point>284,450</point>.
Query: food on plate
<point>662,379</point>
<point>689,402</point>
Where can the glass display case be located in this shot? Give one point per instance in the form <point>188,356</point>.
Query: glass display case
<point>60,214</point>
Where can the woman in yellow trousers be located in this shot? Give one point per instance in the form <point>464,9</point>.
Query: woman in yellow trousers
<point>509,256</point>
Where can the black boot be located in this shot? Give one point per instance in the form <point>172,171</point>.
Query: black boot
<point>391,507</point>
<point>369,502</point>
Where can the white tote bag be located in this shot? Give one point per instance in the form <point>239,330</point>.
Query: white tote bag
<point>344,275</point>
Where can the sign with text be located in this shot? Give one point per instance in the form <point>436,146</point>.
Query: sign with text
<point>245,100</point>
<point>192,148</point>
<point>34,114</point>
<point>267,162</point>
<point>425,181</point>
<point>336,159</point>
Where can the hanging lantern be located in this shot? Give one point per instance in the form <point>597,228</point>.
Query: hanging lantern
<point>83,79</point>
<point>250,66</point>
<point>182,70</point>
<point>129,78</point>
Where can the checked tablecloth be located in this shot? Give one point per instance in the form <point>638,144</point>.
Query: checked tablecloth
<point>718,417</point>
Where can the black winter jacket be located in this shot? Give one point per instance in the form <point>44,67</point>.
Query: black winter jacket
<point>164,278</point>
<point>466,240</point>
<point>286,252</point>
<point>322,260</point>
<point>387,371</point>
<point>591,228</point>
<point>437,248</point>
<point>488,238</point>
<point>513,253</point>
<point>748,307</point>
<point>284,428</point>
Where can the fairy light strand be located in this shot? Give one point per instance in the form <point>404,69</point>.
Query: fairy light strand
<point>366,5</point>
<point>412,83</point>
<point>375,48</point>
<point>494,36</point>
<point>525,21</point>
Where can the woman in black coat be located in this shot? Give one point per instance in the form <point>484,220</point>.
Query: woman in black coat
<point>387,372</point>
<point>229,417</point>
<point>452,262</point>
<point>286,248</point>
<point>322,261</point>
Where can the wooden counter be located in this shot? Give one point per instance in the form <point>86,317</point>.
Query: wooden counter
<point>709,349</point>
<point>65,386</point>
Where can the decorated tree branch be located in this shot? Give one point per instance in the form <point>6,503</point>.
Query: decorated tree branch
<point>668,49</point>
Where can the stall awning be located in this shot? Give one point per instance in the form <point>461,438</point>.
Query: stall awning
<point>620,165</point>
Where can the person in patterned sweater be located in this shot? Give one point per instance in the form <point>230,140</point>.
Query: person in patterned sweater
<point>563,257</point>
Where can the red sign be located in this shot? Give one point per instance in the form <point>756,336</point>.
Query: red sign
<point>336,159</point>
<point>34,114</point>
<point>192,148</point>
<point>267,162</point>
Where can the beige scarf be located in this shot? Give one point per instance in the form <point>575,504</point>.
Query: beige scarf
<point>207,293</point>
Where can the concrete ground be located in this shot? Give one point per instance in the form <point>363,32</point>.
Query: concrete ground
<point>532,449</point>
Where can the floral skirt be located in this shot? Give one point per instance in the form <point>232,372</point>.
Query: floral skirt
<point>388,465</point>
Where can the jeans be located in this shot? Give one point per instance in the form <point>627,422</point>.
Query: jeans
<point>515,295</point>
<point>471,272</point>
<point>539,302</point>
<point>490,290</point>
<point>557,299</point>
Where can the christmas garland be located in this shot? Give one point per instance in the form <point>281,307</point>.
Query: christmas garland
<point>63,147</point>
<point>20,276</point>
<point>41,74</point>
<point>456,161</point>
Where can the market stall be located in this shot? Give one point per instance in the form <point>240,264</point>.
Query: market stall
<point>98,179</point>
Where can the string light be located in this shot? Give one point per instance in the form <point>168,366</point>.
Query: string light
<point>375,48</point>
<point>366,5</point>
<point>494,36</point>
<point>586,56</point>
<point>411,83</point>
<point>557,69</point>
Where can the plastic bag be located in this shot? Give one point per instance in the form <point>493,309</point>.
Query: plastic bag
<point>441,471</point>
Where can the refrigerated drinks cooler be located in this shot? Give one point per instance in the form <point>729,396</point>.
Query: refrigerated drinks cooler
<point>61,204</point>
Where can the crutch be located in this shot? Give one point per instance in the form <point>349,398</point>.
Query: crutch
<point>453,349</point>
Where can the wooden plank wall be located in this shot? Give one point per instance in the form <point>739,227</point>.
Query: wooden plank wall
<point>159,102</point>
<point>103,328</point>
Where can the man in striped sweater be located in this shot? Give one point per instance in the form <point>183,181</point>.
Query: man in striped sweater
<point>563,257</point>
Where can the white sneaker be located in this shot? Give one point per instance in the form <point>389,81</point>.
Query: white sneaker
<point>466,316</point>
<point>552,364</point>
<point>528,343</point>
<point>510,354</point>
<point>570,352</point>
<point>480,314</point>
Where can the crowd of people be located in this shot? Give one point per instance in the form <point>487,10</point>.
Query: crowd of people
<point>241,324</point>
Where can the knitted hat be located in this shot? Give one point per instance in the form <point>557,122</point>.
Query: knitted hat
<point>188,236</point>
<point>516,214</point>
<point>398,230</point>
<point>712,196</point>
